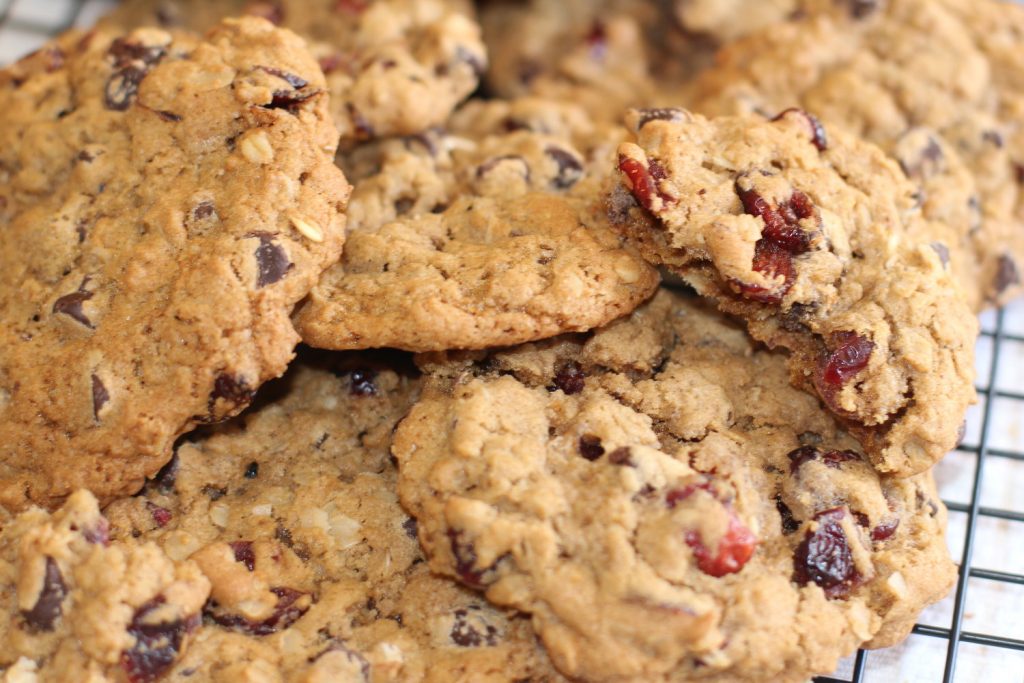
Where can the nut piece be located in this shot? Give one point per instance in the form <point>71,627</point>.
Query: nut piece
<point>256,148</point>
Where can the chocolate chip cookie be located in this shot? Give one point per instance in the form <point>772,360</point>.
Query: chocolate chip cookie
<point>886,73</point>
<point>664,504</point>
<point>393,67</point>
<point>496,239</point>
<point>287,517</point>
<point>165,203</point>
<point>809,235</point>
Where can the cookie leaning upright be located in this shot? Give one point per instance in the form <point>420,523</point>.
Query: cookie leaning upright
<point>164,203</point>
<point>809,237</point>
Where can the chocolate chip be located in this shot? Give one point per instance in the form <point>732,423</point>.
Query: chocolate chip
<point>231,389</point>
<point>465,634</point>
<point>168,116</point>
<point>832,459</point>
<point>660,114</point>
<point>570,379</point>
<point>121,88</point>
<point>362,382</point>
<point>1007,274</point>
<point>244,554</point>
<point>214,492</point>
<point>71,304</point>
<point>943,252</point>
<point>411,527</point>
<point>590,447</point>
<point>570,168</point>
<point>100,396</point>
<point>919,160</point>
<point>285,613</point>
<point>465,561</point>
<point>271,260</point>
<point>164,479</point>
<point>622,456</point>
<point>157,646</point>
<point>789,524</point>
<point>811,123</point>
<point>252,470</point>
<point>203,210</point>
<point>296,82</point>
<point>44,614</point>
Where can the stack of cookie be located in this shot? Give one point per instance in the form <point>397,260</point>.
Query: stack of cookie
<point>504,450</point>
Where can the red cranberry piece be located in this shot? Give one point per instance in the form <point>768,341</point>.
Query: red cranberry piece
<point>885,530</point>
<point>160,515</point>
<point>590,447</point>
<point>813,125</point>
<point>782,222</point>
<point>848,355</point>
<point>465,634</point>
<point>644,181</point>
<point>833,459</point>
<point>735,548</point>
<point>772,260</point>
<point>157,646</point>
<point>570,379</point>
<point>351,6</point>
<point>244,554</point>
<point>286,613</point>
<point>824,557</point>
<point>47,610</point>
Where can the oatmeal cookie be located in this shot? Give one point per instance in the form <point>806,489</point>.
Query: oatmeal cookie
<point>164,203</point>
<point>664,504</point>
<point>393,67</point>
<point>810,236</point>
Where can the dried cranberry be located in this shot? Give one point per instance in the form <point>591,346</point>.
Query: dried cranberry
<point>465,634</point>
<point>824,556</point>
<point>643,182</point>
<point>782,222</point>
<point>885,530</point>
<point>132,61</point>
<point>161,515</point>
<point>44,614</point>
<point>244,554</point>
<point>811,122</point>
<point>232,389</point>
<point>570,379</point>
<point>157,646</point>
<point>735,548</point>
<point>597,41</point>
<point>286,613</point>
<point>465,561</point>
<point>1007,274</point>
<point>773,261</point>
<point>677,495</point>
<point>848,355</point>
<point>272,262</point>
<point>271,11</point>
<point>351,6</point>
<point>100,396</point>
<point>645,116</point>
<point>590,447</point>
<point>833,459</point>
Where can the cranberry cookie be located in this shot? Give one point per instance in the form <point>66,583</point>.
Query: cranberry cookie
<point>393,67</point>
<point>664,504</point>
<point>890,71</point>
<point>287,517</point>
<point>164,203</point>
<point>494,239</point>
<point>810,236</point>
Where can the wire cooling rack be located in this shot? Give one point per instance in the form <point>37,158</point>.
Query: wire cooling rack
<point>976,635</point>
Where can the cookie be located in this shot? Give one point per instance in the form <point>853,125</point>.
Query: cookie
<point>883,73</point>
<point>808,235</point>
<point>78,607</point>
<point>664,505</point>
<point>393,67</point>
<point>289,517</point>
<point>500,239</point>
<point>164,203</point>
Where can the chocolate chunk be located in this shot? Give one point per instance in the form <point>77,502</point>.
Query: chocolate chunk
<point>590,447</point>
<point>252,470</point>
<point>570,379</point>
<point>231,389</point>
<point>622,456</point>
<point>44,614</point>
<point>204,210</point>
<point>411,527</point>
<point>570,169</point>
<point>789,524</point>
<point>244,554</point>
<point>157,646</point>
<point>100,396</point>
<point>164,479</point>
<point>121,88</point>
<point>465,634</point>
<point>71,304</point>
<point>271,261</point>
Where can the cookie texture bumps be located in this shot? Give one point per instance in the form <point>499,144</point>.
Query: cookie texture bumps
<point>467,241</point>
<point>78,607</point>
<point>664,504</point>
<point>393,67</point>
<point>164,203</point>
<point>291,512</point>
<point>935,84</point>
<point>810,236</point>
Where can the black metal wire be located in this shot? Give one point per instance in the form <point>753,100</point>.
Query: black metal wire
<point>954,635</point>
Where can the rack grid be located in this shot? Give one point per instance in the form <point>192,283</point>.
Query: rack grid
<point>955,641</point>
